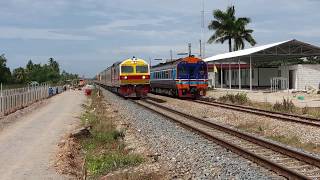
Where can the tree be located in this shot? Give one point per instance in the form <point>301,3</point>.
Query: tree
<point>241,34</point>
<point>19,75</point>
<point>227,28</point>
<point>5,74</point>
<point>54,65</point>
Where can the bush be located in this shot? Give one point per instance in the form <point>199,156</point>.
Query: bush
<point>239,98</point>
<point>286,106</point>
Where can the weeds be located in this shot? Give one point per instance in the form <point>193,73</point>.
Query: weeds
<point>253,127</point>
<point>239,98</point>
<point>305,110</point>
<point>295,142</point>
<point>104,149</point>
<point>286,106</point>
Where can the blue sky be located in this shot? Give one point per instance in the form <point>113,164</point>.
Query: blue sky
<point>86,36</point>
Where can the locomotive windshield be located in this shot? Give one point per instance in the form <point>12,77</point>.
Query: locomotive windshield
<point>126,69</point>
<point>142,69</point>
<point>192,70</point>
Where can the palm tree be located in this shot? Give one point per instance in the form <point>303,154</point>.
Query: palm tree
<point>227,28</point>
<point>223,26</point>
<point>241,34</point>
<point>19,75</point>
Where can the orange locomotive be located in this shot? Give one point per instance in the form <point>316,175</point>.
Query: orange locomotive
<point>129,78</point>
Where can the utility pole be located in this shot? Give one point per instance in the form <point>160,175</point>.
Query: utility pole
<point>202,32</point>
<point>200,49</point>
<point>171,58</point>
<point>150,61</point>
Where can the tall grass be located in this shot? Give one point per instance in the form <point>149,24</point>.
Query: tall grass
<point>239,98</point>
<point>105,150</point>
<point>285,106</point>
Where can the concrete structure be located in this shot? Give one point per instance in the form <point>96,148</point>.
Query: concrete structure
<point>250,68</point>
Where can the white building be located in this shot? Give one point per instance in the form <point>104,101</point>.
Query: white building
<point>243,63</point>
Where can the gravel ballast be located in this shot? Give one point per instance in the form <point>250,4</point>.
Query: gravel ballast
<point>270,126</point>
<point>183,153</point>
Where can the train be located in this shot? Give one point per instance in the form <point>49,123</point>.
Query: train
<point>129,78</point>
<point>184,78</point>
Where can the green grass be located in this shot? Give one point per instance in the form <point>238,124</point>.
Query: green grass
<point>111,161</point>
<point>104,150</point>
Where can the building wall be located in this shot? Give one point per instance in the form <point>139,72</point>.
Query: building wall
<point>308,75</point>
<point>303,76</point>
<point>260,77</point>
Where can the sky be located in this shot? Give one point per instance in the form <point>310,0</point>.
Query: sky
<point>86,36</point>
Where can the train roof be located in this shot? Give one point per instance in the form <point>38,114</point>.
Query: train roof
<point>174,62</point>
<point>119,62</point>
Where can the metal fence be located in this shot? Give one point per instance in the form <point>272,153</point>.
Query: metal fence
<point>12,100</point>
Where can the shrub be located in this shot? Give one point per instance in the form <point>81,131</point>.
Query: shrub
<point>239,98</point>
<point>286,106</point>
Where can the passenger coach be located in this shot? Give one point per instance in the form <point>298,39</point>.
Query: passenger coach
<point>129,78</point>
<point>185,77</point>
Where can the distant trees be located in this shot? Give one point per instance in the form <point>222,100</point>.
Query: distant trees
<point>5,74</point>
<point>229,28</point>
<point>49,72</point>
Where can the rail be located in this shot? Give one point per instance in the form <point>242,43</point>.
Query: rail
<point>272,114</point>
<point>285,161</point>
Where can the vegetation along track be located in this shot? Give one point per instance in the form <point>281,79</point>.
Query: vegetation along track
<point>272,114</point>
<point>280,159</point>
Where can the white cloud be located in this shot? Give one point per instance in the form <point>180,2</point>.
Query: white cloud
<point>34,33</point>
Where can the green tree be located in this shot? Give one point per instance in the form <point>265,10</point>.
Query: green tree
<point>5,74</point>
<point>229,28</point>
<point>54,65</point>
<point>241,34</point>
<point>19,75</point>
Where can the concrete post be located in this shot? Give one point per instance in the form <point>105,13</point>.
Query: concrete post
<point>239,74</point>
<point>221,75</point>
<point>229,75</point>
<point>250,74</point>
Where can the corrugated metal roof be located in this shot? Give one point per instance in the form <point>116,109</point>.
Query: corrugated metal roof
<point>243,52</point>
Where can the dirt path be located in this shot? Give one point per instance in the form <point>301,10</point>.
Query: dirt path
<point>27,147</point>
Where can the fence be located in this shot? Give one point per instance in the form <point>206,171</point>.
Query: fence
<point>279,83</point>
<point>15,99</point>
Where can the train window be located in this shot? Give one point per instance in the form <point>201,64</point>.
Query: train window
<point>182,70</point>
<point>126,69</point>
<point>142,69</point>
<point>166,74</point>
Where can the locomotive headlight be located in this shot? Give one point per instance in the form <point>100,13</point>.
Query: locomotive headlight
<point>143,77</point>
<point>125,77</point>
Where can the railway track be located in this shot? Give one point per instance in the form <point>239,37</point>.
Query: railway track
<point>272,114</point>
<point>280,159</point>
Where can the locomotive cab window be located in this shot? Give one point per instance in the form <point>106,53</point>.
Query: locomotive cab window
<point>142,69</point>
<point>126,69</point>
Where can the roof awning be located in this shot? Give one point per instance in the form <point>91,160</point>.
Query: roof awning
<point>276,51</point>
